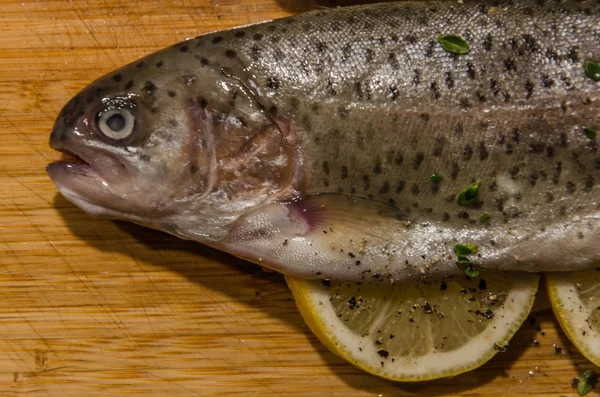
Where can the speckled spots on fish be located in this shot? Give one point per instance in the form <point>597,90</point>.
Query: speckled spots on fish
<point>438,146</point>
<point>414,189</point>
<point>400,186</point>
<point>454,169</point>
<point>418,160</point>
<point>377,169</point>
<point>488,43</point>
<point>573,55</point>
<point>589,183</point>
<point>202,102</point>
<point>398,158</point>
<point>366,183</point>
<point>326,169</point>
<point>471,71</point>
<point>449,80</point>
<point>547,82</point>
<point>273,83</point>
<point>556,173</point>
<point>385,188</point>
<point>435,91</point>
<point>417,77</point>
<point>344,172</point>
<point>149,88</point>
<point>465,103</point>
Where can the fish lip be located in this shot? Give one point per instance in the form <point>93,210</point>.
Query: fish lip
<point>70,177</point>
<point>80,180</point>
<point>88,159</point>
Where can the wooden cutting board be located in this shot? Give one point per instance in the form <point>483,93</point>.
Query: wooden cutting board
<point>91,307</point>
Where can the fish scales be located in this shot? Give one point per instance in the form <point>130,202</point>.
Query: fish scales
<point>337,119</point>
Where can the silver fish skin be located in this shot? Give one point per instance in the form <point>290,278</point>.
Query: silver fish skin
<point>341,143</point>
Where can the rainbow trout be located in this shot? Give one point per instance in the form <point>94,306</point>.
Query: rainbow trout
<point>383,142</point>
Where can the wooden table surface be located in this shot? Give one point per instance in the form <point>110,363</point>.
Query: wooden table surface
<point>96,308</point>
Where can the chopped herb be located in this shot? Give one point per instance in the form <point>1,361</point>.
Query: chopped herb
<point>590,133</point>
<point>455,44</point>
<point>436,178</point>
<point>470,194</point>
<point>485,217</point>
<point>592,70</point>
<point>471,269</point>
<point>465,249</point>
<point>587,381</point>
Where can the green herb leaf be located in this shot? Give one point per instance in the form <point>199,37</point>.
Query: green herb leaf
<point>471,269</point>
<point>592,70</point>
<point>587,381</point>
<point>590,133</point>
<point>454,44</point>
<point>436,178</point>
<point>465,249</point>
<point>463,261</point>
<point>485,217</point>
<point>469,195</point>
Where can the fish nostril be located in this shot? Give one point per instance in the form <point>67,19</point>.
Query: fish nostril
<point>57,135</point>
<point>59,131</point>
<point>71,112</point>
<point>70,117</point>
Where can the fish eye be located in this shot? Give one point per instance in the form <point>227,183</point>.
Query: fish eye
<point>116,124</point>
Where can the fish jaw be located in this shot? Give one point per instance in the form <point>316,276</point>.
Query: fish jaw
<point>71,177</point>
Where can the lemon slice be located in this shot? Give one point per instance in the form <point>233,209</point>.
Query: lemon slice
<point>575,300</point>
<point>414,332</point>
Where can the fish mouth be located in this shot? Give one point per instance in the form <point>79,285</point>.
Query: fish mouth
<point>79,180</point>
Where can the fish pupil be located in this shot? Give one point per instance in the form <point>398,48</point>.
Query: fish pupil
<point>116,122</point>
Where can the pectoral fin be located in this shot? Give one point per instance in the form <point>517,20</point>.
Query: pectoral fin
<point>326,236</point>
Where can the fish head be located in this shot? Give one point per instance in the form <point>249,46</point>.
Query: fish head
<point>174,142</point>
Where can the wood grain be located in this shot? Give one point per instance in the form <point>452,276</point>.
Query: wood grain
<point>97,308</point>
